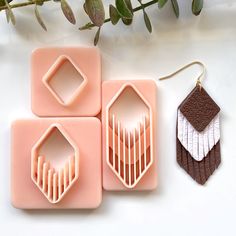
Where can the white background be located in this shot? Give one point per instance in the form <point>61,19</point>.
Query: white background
<point>179,206</point>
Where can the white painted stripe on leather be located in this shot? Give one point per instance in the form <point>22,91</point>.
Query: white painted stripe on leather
<point>198,144</point>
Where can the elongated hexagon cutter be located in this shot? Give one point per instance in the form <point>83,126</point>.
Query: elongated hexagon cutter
<point>54,184</point>
<point>54,69</point>
<point>129,136</point>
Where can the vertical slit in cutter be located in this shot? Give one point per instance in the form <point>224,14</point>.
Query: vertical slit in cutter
<point>54,183</point>
<point>129,135</point>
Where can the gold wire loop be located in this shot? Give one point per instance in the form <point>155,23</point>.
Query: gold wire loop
<point>199,84</point>
<point>199,78</point>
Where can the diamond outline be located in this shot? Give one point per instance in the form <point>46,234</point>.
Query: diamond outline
<point>53,70</point>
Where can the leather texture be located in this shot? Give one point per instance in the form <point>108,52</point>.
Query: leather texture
<point>200,171</point>
<point>199,108</point>
<point>198,135</point>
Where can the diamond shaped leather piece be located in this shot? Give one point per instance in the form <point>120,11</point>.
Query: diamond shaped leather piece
<point>199,108</point>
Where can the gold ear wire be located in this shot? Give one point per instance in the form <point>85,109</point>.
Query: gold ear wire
<point>199,78</point>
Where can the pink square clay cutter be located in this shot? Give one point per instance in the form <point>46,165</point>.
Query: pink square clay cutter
<point>54,166</point>
<point>59,69</point>
<point>128,123</point>
<point>66,82</point>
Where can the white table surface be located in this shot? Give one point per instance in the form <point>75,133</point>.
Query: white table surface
<point>179,206</point>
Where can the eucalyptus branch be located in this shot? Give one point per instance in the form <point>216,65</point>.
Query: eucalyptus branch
<point>7,7</point>
<point>22,4</point>
<point>122,10</point>
<point>90,25</point>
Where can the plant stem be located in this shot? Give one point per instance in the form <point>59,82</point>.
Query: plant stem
<point>22,4</point>
<point>143,6</point>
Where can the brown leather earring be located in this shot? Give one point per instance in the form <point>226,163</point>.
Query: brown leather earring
<point>198,131</point>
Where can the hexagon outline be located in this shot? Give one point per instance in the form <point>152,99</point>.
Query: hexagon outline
<point>34,155</point>
<point>117,95</point>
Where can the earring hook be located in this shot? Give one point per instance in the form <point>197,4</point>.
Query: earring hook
<point>199,78</point>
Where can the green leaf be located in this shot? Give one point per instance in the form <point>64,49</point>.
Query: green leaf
<point>67,11</point>
<point>129,5</point>
<point>147,22</point>
<point>39,19</point>
<point>125,20</point>
<point>114,15</point>
<point>197,6</point>
<point>88,26</point>
<point>85,9</point>
<point>95,11</point>
<point>9,14</point>
<point>96,38</point>
<point>39,2</point>
<point>123,9</point>
<point>12,17</point>
<point>161,3</point>
<point>2,3</point>
<point>175,6</point>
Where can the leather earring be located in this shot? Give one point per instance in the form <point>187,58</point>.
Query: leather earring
<point>198,131</point>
